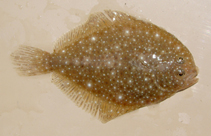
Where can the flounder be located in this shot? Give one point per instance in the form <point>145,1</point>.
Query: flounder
<point>113,64</point>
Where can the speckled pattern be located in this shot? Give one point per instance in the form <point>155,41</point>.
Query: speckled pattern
<point>113,64</point>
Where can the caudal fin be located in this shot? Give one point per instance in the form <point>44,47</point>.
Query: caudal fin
<point>30,61</point>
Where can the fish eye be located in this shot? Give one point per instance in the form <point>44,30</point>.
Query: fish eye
<point>180,72</point>
<point>181,60</point>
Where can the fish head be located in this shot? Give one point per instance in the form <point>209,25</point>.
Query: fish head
<point>178,72</point>
<point>185,71</point>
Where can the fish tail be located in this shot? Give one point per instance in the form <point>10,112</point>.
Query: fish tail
<point>30,61</point>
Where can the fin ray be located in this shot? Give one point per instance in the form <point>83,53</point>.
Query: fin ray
<point>30,61</point>
<point>94,23</point>
<point>88,101</point>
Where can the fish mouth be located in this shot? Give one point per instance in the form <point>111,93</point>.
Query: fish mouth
<point>194,81</point>
<point>189,84</point>
<point>191,80</point>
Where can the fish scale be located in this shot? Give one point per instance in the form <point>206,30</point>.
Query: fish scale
<point>113,64</point>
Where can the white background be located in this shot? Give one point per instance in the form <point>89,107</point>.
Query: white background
<point>33,106</point>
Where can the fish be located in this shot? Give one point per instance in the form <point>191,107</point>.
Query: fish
<point>113,64</point>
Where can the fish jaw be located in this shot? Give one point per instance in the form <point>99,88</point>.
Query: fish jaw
<point>191,80</point>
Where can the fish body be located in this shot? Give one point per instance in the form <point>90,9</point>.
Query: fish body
<point>113,64</point>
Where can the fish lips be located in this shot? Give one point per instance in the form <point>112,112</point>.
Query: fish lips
<point>191,80</point>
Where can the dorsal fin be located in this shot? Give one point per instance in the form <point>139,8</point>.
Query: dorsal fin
<point>94,23</point>
<point>119,16</point>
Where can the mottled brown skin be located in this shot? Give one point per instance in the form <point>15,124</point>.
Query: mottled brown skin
<point>120,62</point>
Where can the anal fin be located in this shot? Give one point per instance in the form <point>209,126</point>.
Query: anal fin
<point>88,101</point>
